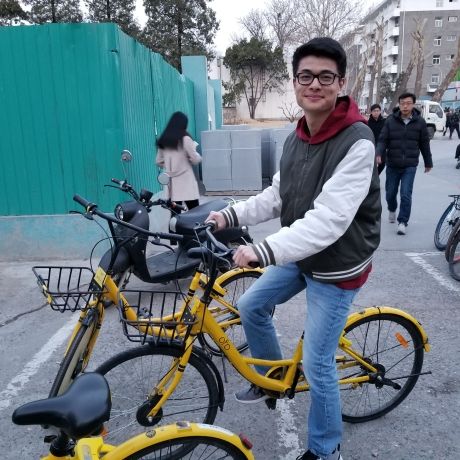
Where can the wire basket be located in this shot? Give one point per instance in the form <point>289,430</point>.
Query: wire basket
<point>67,288</point>
<point>158,316</point>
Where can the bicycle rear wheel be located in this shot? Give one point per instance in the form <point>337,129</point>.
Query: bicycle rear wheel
<point>236,286</point>
<point>191,448</point>
<point>454,256</point>
<point>394,346</point>
<point>133,375</point>
<point>445,225</point>
<point>73,361</point>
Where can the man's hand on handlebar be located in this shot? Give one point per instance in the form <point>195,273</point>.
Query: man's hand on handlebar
<point>244,256</point>
<point>218,218</point>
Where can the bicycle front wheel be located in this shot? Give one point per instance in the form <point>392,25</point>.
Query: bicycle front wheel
<point>74,359</point>
<point>445,225</point>
<point>134,374</point>
<point>191,448</point>
<point>236,286</point>
<point>394,346</point>
<point>454,256</point>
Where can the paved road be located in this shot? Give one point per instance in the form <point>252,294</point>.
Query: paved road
<point>408,273</point>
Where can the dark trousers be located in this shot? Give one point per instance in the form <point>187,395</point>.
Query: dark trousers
<point>190,203</point>
<point>452,129</point>
<point>380,167</point>
<point>395,177</point>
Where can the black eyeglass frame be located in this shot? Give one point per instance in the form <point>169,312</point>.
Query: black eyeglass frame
<point>317,75</point>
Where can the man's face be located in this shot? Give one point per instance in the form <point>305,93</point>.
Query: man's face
<point>376,113</point>
<point>316,98</point>
<point>405,106</point>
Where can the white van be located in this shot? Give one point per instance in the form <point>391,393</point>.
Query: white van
<point>434,116</point>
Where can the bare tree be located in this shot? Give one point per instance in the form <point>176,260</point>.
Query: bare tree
<point>280,16</point>
<point>419,38</point>
<point>377,42</point>
<point>357,88</point>
<point>332,18</point>
<point>290,110</point>
<point>255,24</point>
<point>449,76</point>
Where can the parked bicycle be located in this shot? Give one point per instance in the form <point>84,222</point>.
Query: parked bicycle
<point>79,415</point>
<point>379,360</point>
<point>452,252</point>
<point>447,222</point>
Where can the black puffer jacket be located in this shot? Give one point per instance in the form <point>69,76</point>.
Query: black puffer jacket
<point>376,126</point>
<point>404,142</point>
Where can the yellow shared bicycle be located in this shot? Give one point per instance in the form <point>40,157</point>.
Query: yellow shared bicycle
<point>379,358</point>
<point>79,415</point>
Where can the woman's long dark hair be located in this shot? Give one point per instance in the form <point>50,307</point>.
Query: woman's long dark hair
<point>174,132</point>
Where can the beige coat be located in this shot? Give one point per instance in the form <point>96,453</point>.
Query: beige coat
<point>178,164</point>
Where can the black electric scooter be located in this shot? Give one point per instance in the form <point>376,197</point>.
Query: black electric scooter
<point>174,263</point>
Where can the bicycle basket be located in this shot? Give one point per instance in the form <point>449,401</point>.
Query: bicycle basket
<point>67,288</point>
<point>154,316</point>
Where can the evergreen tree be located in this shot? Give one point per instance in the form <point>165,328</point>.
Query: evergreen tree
<point>11,13</point>
<point>177,28</point>
<point>44,11</point>
<point>118,11</point>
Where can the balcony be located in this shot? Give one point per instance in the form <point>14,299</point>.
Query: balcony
<point>394,68</point>
<point>395,13</point>
<point>394,50</point>
<point>431,88</point>
<point>394,32</point>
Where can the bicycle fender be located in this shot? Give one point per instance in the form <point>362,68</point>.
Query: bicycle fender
<point>220,384</point>
<point>395,311</point>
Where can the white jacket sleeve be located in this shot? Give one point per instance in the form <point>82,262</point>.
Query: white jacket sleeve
<point>333,211</point>
<point>190,149</point>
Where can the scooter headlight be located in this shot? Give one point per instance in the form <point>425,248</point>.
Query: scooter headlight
<point>119,212</point>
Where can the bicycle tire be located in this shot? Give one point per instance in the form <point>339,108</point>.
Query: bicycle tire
<point>241,282</point>
<point>454,256</point>
<point>191,448</point>
<point>445,225</point>
<point>452,236</point>
<point>386,340</point>
<point>71,365</point>
<point>134,373</point>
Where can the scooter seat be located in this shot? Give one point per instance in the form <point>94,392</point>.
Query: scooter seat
<point>170,265</point>
<point>184,223</point>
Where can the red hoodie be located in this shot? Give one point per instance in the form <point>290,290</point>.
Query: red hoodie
<point>346,113</point>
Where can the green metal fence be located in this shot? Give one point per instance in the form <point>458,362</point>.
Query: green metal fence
<point>72,97</point>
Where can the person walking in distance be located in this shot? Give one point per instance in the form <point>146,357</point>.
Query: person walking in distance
<point>376,122</point>
<point>403,137</point>
<point>454,124</point>
<point>327,196</point>
<point>176,154</point>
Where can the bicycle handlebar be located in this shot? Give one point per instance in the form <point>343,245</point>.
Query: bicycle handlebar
<point>91,208</point>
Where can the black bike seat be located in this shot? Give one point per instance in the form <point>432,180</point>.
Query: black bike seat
<point>78,412</point>
<point>186,221</point>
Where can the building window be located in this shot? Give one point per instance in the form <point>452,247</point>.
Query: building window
<point>451,38</point>
<point>436,59</point>
<point>439,3</point>
<point>438,22</point>
<point>435,79</point>
<point>437,41</point>
<point>452,18</point>
<point>396,22</point>
<point>450,57</point>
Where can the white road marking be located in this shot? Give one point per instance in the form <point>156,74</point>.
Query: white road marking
<point>287,429</point>
<point>417,258</point>
<point>18,382</point>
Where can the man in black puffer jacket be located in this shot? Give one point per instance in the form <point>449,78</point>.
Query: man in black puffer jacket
<point>376,122</point>
<point>403,137</point>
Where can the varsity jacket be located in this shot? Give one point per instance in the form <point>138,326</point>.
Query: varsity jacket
<point>327,196</point>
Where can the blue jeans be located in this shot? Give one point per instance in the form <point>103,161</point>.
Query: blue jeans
<point>405,177</point>
<point>327,311</point>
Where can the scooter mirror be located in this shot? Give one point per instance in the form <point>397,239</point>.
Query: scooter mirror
<point>126,156</point>
<point>163,178</point>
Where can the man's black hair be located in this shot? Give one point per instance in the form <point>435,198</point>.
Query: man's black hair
<point>321,47</point>
<point>407,94</point>
<point>375,106</point>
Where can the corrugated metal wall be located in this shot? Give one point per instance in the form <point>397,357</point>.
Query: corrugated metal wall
<point>72,97</point>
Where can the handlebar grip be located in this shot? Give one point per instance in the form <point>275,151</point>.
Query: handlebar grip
<point>212,224</point>
<point>254,264</point>
<point>117,181</point>
<point>175,205</point>
<point>80,200</point>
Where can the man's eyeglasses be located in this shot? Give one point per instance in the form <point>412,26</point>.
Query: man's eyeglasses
<point>324,78</point>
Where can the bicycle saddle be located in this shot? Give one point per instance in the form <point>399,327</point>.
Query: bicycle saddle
<point>78,412</point>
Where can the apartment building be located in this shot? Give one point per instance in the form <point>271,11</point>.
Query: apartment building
<point>439,22</point>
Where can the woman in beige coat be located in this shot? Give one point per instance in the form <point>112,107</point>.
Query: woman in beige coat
<point>176,154</point>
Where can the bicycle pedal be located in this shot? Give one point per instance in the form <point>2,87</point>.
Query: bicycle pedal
<point>271,403</point>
